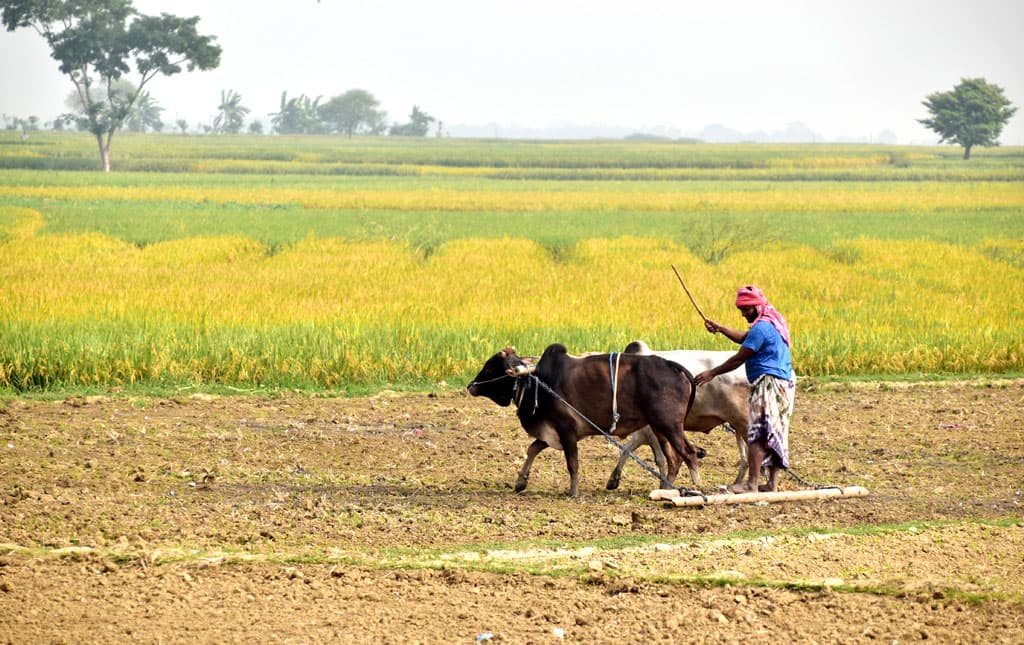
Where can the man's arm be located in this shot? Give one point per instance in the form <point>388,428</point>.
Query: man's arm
<point>735,335</point>
<point>731,363</point>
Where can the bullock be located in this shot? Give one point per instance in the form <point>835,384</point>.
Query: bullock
<point>566,398</point>
<point>725,400</point>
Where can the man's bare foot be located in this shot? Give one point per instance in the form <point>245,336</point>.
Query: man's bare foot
<point>766,488</point>
<point>741,488</point>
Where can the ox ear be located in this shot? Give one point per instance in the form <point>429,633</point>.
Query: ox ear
<point>508,351</point>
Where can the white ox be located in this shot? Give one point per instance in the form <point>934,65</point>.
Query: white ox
<point>725,400</point>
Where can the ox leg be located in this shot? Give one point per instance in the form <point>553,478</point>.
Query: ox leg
<point>659,455</point>
<point>632,443</point>
<point>676,454</point>
<point>524,472</point>
<point>740,436</point>
<point>572,460</point>
<point>673,459</point>
<point>679,450</point>
<point>635,440</point>
<point>664,456</point>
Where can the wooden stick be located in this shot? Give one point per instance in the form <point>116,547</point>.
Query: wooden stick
<point>676,498</point>
<point>695,305</point>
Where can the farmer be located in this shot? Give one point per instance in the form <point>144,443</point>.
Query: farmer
<point>764,350</point>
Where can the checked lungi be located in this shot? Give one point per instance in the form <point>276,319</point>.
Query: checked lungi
<point>771,406</point>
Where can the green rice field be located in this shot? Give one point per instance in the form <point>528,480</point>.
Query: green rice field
<point>321,263</point>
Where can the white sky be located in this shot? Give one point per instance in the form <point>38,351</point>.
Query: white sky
<point>843,68</point>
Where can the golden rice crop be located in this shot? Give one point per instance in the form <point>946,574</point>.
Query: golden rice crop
<point>90,310</point>
<point>19,222</point>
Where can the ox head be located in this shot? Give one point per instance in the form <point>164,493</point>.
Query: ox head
<point>498,377</point>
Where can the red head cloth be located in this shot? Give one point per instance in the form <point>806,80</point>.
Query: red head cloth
<point>751,296</point>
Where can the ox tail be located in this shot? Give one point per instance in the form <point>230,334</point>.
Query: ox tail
<point>689,379</point>
<point>701,453</point>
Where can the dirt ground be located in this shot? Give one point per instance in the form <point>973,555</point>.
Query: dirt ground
<point>391,519</point>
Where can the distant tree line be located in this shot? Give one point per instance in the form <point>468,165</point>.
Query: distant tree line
<point>98,43</point>
<point>356,112</point>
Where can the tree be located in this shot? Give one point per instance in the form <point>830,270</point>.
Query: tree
<point>230,113</point>
<point>418,125</point>
<point>300,115</point>
<point>30,124</point>
<point>972,114</point>
<point>354,112</point>
<point>97,42</point>
<point>145,115</point>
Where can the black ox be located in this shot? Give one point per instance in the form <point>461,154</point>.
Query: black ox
<point>558,399</point>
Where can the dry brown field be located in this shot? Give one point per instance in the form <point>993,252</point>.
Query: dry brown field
<point>391,519</point>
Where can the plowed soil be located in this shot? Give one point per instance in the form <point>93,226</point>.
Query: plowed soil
<point>391,519</point>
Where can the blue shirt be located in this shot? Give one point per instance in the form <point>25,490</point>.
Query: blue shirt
<point>771,353</point>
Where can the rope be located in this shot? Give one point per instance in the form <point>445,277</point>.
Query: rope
<point>614,376</point>
<point>623,449</point>
<point>809,484</point>
<point>497,378</point>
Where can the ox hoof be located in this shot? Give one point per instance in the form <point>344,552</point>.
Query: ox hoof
<point>520,486</point>
<point>612,484</point>
<point>701,453</point>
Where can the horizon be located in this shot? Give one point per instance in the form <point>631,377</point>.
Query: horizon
<point>827,73</point>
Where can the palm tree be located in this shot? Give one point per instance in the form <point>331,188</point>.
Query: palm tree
<point>286,120</point>
<point>297,116</point>
<point>230,113</point>
<point>418,125</point>
<point>145,114</point>
<point>137,110</point>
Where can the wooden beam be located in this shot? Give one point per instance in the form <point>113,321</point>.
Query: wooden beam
<point>678,499</point>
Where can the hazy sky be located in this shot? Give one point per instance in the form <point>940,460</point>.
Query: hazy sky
<point>843,68</point>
